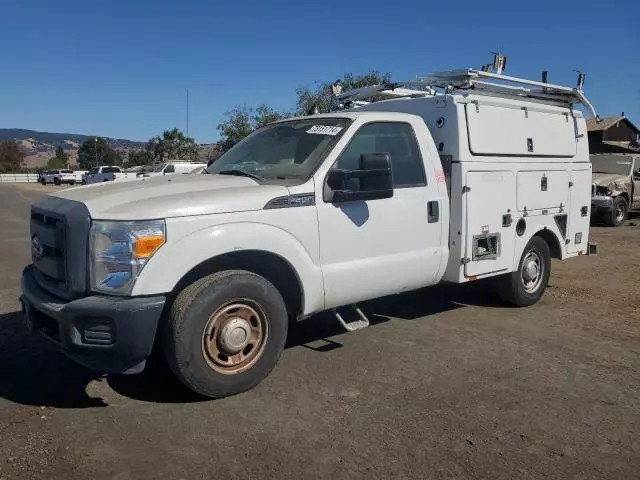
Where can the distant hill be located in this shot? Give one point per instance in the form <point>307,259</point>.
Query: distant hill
<point>40,146</point>
<point>65,140</point>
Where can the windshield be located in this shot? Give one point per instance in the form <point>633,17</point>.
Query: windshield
<point>159,168</point>
<point>611,164</point>
<point>67,171</point>
<point>283,151</point>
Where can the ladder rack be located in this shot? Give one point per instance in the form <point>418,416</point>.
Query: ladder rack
<point>468,80</point>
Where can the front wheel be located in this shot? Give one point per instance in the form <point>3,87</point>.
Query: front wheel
<point>619,212</point>
<point>527,284</point>
<point>225,333</point>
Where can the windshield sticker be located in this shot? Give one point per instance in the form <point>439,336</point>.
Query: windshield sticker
<point>324,130</point>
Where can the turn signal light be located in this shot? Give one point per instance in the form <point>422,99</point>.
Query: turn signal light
<point>144,247</point>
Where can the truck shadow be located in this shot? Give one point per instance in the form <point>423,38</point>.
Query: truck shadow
<point>33,372</point>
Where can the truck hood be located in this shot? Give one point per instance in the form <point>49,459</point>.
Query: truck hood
<point>604,179</point>
<point>173,196</point>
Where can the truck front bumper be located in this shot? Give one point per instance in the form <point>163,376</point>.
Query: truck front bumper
<point>106,334</point>
<point>601,205</point>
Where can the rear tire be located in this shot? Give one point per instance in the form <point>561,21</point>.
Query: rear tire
<point>56,181</point>
<point>619,212</point>
<point>225,333</point>
<point>527,284</point>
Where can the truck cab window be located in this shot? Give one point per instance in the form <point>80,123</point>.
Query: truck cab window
<point>395,138</point>
<point>170,169</point>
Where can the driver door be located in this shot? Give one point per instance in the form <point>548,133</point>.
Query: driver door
<point>384,246</point>
<point>636,183</point>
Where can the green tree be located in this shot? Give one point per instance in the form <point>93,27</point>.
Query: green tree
<point>11,156</point>
<point>241,121</point>
<point>172,145</point>
<point>61,160</point>
<point>96,151</point>
<point>320,95</point>
<point>139,157</point>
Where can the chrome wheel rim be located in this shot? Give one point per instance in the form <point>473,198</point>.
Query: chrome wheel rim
<point>234,337</point>
<point>532,272</point>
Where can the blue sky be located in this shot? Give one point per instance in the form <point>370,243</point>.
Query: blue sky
<point>121,68</point>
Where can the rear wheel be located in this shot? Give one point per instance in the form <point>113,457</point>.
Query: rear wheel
<point>619,212</point>
<point>56,181</point>
<point>527,284</point>
<point>225,333</point>
<point>73,182</point>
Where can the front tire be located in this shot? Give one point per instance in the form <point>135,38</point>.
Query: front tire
<point>527,284</point>
<point>225,333</point>
<point>619,212</point>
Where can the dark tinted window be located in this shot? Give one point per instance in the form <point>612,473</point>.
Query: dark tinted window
<point>111,170</point>
<point>170,169</point>
<point>396,139</point>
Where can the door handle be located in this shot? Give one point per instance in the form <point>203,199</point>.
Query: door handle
<point>433,211</point>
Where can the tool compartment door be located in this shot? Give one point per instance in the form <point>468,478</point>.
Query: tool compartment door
<point>579,210</point>
<point>543,190</point>
<point>505,130</point>
<point>490,236</point>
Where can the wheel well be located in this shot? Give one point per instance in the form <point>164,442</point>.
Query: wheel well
<point>268,265</point>
<point>553,242</point>
<point>626,196</point>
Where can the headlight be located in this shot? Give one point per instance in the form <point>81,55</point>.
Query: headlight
<point>610,188</point>
<point>119,250</point>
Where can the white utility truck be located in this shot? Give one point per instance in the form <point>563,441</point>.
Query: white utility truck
<point>454,177</point>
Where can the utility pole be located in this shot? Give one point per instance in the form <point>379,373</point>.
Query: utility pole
<point>187,112</point>
<point>95,144</point>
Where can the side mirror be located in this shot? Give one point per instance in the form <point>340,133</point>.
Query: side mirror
<point>372,181</point>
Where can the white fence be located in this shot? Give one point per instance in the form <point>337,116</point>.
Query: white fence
<point>18,178</point>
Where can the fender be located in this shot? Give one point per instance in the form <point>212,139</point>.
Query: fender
<point>179,255</point>
<point>535,228</point>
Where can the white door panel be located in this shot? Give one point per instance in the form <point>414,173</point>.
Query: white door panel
<point>379,247</point>
<point>579,218</point>
<point>501,130</point>
<point>370,249</point>
<point>491,195</point>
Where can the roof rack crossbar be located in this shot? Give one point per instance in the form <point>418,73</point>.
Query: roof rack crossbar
<point>469,79</point>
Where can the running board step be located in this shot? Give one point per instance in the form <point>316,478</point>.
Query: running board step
<point>362,322</point>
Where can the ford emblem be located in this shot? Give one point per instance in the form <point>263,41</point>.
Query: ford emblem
<point>36,247</point>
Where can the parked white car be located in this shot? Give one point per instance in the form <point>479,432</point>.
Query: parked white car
<point>58,177</point>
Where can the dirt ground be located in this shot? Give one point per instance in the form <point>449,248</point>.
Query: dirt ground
<point>447,384</point>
